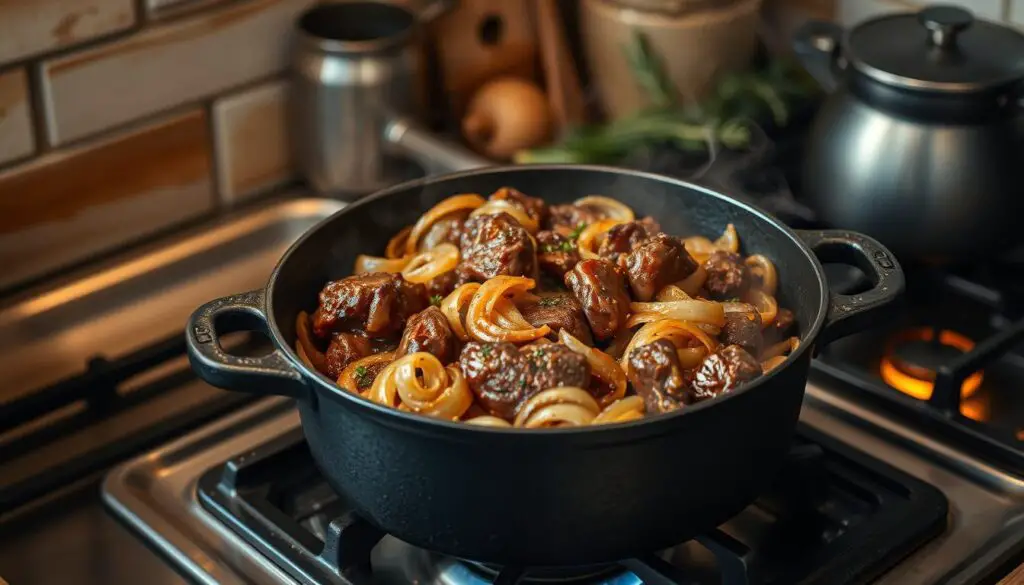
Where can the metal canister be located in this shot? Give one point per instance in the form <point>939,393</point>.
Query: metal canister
<point>355,65</point>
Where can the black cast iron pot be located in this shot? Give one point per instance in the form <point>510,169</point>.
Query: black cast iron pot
<point>555,496</point>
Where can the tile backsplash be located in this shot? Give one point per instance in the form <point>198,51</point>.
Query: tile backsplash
<point>123,118</point>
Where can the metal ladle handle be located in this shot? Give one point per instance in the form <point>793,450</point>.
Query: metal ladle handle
<point>944,23</point>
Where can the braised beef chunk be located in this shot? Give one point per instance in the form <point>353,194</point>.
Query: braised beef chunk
<point>558,311</point>
<point>722,371</point>
<point>658,377</point>
<point>728,276</point>
<point>622,238</point>
<point>553,365</point>
<point>496,373</point>
<point>557,254</point>
<point>377,303</point>
<point>344,349</point>
<point>601,291</point>
<point>568,218</point>
<point>656,262</point>
<point>533,206</point>
<point>441,286</point>
<point>428,331</point>
<point>447,230</point>
<point>502,377</point>
<point>744,330</point>
<point>495,245</point>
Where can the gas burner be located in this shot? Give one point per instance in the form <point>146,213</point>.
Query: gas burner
<point>913,358</point>
<point>827,514</point>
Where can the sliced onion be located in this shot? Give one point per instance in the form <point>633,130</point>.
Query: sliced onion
<point>419,383</point>
<point>367,264</point>
<point>678,332</point>
<point>487,420</point>
<point>455,306</point>
<point>348,378</point>
<point>591,237</point>
<point>786,346</point>
<point>729,240</point>
<point>699,247</point>
<point>734,307</point>
<point>610,208</point>
<point>772,363</point>
<point>692,284</point>
<point>307,350</point>
<point>693,310</point>
<point>691,357</point>
<point>765,304</point>
<point>562,406</point>
<point>619,342</point>
<point>505,206</point>
<point>493,316</point>
<point>602,365</point>
<point>396,245</point>
<point>450,205</point>
<point>764,271</point>
<point>425,266</point>
<point>623,410</point>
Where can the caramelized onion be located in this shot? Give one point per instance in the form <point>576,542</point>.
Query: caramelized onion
<point>466,201</point>
<point>692,284</point>
<point>602,365</point>
<point>493,316</point>
<point>729,240</point>
<point>678,332</point>
<point>367,264</point>
<point>622,410</point>
<point>557,407</point>
<point>764,271</point>
<point>425,266</point>
<point>349,377</point>
<point>396,245</point>
<point>307,350</point>
<point>692,310</point>
<point>487,420</point>
<point>591,237</point>
<point>455,307</point>
<point>610,208</point>
<point>765,304</point>
<point>506,206</point>
<point>781,348</point>
<point>420,383</point>
<point>772,363</point>
<point>691,357</point>
<point>699,247</point>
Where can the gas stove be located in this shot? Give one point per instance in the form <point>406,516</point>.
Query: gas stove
<point>905,469</point>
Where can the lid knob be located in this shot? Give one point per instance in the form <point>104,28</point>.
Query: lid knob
<point>944,23</point>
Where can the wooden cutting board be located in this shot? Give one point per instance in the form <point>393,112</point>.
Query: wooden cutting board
<point>480,40</point>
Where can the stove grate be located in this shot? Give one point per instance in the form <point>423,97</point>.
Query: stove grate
<point>835,516</point>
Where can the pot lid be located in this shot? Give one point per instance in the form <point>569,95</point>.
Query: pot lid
<point>940,48</point>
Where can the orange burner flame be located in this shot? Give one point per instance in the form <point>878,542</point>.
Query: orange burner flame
<point>918,381</point>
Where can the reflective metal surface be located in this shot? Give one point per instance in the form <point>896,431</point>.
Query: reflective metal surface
<point>155,494</point>
<point>50,333</point>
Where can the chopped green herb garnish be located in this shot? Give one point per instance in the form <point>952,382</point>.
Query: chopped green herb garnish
<point>522,382</point>
<point>566,246</point>
<point>538,353</point>
<point>485,350</point>
<point>436,300</point>
<point>579,230</point>
<point>550,301</point>
<point>362,376</point>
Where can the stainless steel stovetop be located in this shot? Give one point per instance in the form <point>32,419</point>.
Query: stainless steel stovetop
<point>157,495</point>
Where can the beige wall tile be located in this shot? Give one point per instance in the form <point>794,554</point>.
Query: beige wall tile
<point>28,27</point>
<point>251,137</point>
<point>1016,15</point>
<point>166,65</point>
<point>16,138</point>
<point>68,205</point>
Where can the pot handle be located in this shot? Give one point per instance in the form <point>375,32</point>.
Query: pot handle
<point>268,374</point>
<point>817,45</point>
<point>850,313</point>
